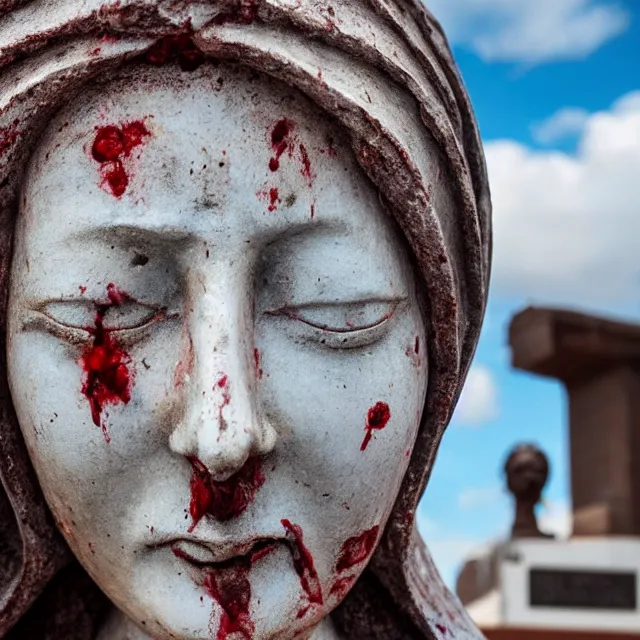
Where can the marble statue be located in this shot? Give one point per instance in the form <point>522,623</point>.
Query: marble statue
<point>245,254</point>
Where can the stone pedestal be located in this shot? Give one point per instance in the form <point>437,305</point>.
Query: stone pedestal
<point>580,586</point>
<point>598,361</point>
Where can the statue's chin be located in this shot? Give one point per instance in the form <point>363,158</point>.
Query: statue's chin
<point>119,627</point>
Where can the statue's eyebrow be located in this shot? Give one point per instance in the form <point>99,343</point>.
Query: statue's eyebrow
<point>129,235</point>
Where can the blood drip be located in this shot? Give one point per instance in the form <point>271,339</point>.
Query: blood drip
<point>280,142</point>
<point>180,49</point>
<point>377,419</point>
<point>256,358</point>
<point>111,145</point>
<point>106,366</point>
<point>230,588</point>
<point>357,549</point>
<point>304,566</point>
<point>223,500</point>
<point>306,165</point>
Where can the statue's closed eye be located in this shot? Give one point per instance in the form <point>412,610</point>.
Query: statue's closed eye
<point>341,325</point>
<point>76,320</point>
<point>81,315</point>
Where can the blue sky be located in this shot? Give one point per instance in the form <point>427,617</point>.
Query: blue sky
<point>556,88</point>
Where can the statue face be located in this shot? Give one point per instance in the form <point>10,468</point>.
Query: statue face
<point>216,351</point>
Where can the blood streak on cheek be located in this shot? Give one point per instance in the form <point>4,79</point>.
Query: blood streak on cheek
<point>111,146</point>
<point>304,566</point>
<point>357,549</point>
<point>108,376</point>
<point>223,500</point>
<point>377,419</point>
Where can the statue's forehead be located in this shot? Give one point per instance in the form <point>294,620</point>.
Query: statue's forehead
<point>234,101</point>
<point>218,139</point>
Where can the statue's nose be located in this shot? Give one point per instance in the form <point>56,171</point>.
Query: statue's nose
<point>219,424</point>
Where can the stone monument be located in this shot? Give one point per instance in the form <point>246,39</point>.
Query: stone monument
<point>585,587</point>
<point>245,251</point>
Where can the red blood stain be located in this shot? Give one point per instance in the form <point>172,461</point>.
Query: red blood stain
<point>417,346</point>
<point>341,586</point>
<point>331,149</point>
<point>442,629</point>
<point>304,566</point>
<point>111,145</point>
<point>177,48</point>
<point>280,141</point>
<point>306,165</point>
<point>115,178</point>
<point>256,358</point>
<point>110,38</point>
<point>8,135</point>
<point>224,500</point>
<point>274,199</point>
<point>95,52</point>
<point>107,379</point>
<point>223,384</point>
<point>263,552</point>
<point>357,549</point>
<point>377,419</point>
<point>240,12</point>
<point>313,210</point>
<point>83,290</point>
<point>230,587</point>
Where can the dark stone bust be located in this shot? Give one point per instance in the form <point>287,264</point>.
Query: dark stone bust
<point>527,473</point>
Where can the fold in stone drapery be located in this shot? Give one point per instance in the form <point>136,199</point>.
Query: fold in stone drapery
<point>383,70</point>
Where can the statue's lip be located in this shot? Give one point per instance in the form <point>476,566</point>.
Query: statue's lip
<point>203,553</point>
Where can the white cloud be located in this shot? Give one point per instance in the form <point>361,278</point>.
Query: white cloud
<point>531,32</point>
<point>567,227</point>
<point>479,399</point>
<point>480,497</point>
<point>562,124</point>
<point>556,518</point>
